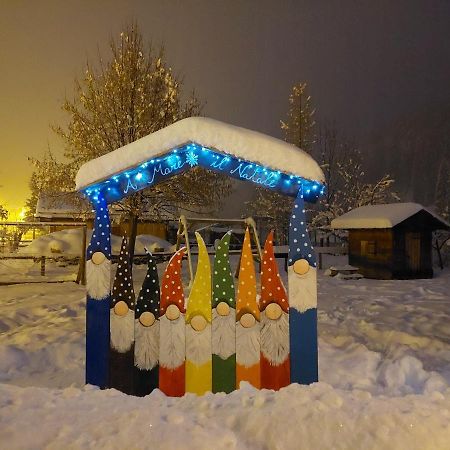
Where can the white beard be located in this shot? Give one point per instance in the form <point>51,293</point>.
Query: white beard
<point>247,345</point>
<point>275,338</point>
<point>146,345</point>
<point>172,342</point>
<point>122,330</point>
<point>198,345</point>
<point>98,279</point>
<point>302,289</point>
<point>224,334</point>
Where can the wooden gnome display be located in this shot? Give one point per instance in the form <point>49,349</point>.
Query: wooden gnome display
<point>302,278</point>
<point>121,367</point>
<point>172,337</point>
<point>247,316</point>
<point>198,326</point>
<point>98,288</point>
<point>275,370</point>
<point>224,321</point>
<point>146,332</point>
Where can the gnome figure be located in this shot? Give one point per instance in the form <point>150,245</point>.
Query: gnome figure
<point>274,323</point>
<point>247,316</point>
<point>302,282</point>
<point>198,326</point>
<point>98,287</point>
<point>172,342</point>
<point>122,325</point>
<point>146,333</point>
<point>223,321</point>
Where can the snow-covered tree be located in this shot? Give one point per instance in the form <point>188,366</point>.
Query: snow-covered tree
<point>442,194</point>
<point>119,100</point>
<point>442,206</point>
<point>299,125</point>
<point>298,130</point>
<point>346,181</point>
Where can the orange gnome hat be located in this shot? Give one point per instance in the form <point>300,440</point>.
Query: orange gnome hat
<point>172,284</point>
<point>272,289</point>
<point>246,297</point>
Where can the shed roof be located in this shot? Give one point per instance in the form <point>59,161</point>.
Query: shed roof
<point>383,216</point>
<point>228,139</point>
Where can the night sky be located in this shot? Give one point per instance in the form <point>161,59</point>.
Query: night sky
<point>367,63</point>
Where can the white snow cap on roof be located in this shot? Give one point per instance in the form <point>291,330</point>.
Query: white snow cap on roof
<point>379,216</point>
<point>240,142</point>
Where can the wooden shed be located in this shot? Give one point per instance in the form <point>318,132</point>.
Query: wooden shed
<point>391,241</point>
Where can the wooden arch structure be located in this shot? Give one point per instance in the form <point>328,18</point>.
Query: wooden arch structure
<point>239,153</point>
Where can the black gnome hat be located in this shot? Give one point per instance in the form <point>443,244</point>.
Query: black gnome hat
<point>123,282</point>
<point>148,299</point>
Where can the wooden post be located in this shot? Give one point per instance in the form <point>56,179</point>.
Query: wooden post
<point>98,254</point>
<point>42,266</point>
<point>302,279</point>
<point>320,254</point>
<point>81,276</point>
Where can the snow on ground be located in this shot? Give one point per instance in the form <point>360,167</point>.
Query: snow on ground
<point>384,379</point>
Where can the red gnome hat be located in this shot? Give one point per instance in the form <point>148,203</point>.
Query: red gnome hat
<point>172,284</point>
<point>272,289</point>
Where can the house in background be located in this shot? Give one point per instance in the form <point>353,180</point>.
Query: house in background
<point>67,209</point>
<point>392,241</point>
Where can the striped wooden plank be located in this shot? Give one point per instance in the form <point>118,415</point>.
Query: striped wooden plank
<point>247,316</point>
<point>146,331</point>
<point>198,327</point>
<point>274,307</point>
<point>98,282</point>
<point>121,361</point>
<point>224,320</point>
<point>302,280</point>
<point>172,342</point>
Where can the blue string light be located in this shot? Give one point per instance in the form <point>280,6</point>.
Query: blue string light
<point>190,155</point>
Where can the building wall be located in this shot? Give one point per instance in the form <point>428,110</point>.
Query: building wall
<point>372,252</point>
<point>413,253</point>
<point>154,228</point>
<point>399,253</point>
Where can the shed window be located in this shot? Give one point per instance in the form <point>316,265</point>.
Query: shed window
<point>368,248</point>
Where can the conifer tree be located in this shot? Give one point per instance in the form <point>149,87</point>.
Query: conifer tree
<point>298,130</point>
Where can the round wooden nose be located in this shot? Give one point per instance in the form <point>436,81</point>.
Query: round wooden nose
<point>198,323</point>
<point>172,312</point>
<point>301,266</point>
<point>248,320</point>
<point>121,308</point>
<point>273,311</point>
<point>97,258</point>
<point>223,309</point>
<point>147,319</point>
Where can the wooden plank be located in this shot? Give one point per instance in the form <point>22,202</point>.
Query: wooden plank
<point>121,360</point>
<point>146,333</point>
<point>274,307</point>
<point>198,327</point>
<point>224,320</point>
<point>247,315</point>
<point>302,278</point>
<point>98,281</point>
<point>172,333</point>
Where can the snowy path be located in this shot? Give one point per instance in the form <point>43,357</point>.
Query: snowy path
<point>384,370</point>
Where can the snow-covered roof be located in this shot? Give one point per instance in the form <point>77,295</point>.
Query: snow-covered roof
<point>60,206</point>
<point>229,139</point>
<point>381,216</point>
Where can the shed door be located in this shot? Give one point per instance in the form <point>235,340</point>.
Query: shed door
<point>413,251</point>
